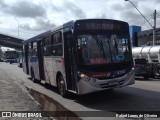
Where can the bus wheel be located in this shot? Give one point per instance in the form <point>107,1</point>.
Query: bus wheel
<point>47,86</point>
<point>149,70</point>
<point>61,87</point>
<point>33,76</point>
<point>145,77</point>
<point>156,71</point>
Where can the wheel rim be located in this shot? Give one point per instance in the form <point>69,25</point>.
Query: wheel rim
<point>61,86</point>
<point>157,71</point>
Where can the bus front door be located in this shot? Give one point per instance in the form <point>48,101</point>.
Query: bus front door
<point>69,61</point>
<point>40,59</point>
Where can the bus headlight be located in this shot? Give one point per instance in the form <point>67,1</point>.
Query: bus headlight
<point>82,75</point>
<point>85,77</point>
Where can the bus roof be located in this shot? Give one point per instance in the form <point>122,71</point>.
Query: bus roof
<point>65,25</point>
<point>37,37</point>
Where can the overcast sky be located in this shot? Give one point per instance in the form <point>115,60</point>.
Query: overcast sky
<point>37,16</point>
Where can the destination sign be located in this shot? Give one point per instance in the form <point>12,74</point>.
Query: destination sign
<point>101,26</point>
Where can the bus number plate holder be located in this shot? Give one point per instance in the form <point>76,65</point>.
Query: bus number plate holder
<point>113,83</point>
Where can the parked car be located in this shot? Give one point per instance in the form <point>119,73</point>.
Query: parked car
<point>1,60</point>
<point>140,67</point>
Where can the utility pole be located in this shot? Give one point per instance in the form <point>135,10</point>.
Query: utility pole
<point>154,27</point>
<point>154,17</point>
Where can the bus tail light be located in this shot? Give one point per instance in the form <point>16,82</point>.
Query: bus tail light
<point>62,62</point>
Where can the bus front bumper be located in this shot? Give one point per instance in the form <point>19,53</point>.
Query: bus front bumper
<point>89,85</point>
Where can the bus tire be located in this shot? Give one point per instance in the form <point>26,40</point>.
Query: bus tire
<point>149,71</point>
<point>61,87</point>
<point>33,76</point>
<point>145,77</point>
<point>47,86</point>
<point>156,71</point>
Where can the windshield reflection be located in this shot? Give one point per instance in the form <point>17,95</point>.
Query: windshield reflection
<point>102,49</point>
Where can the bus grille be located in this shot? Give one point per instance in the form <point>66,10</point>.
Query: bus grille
<point>111,77</point>
<point>114,67</point>
<point>109,85</point>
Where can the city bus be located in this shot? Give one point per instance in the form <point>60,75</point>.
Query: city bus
<point>11,56</point>
<point>81,56</point>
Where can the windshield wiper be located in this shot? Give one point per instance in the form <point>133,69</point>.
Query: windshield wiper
<point>99,43</point>
<point>116,46</point>
<point>110,50</point>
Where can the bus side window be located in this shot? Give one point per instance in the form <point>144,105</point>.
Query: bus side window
<point>57,49</point>
<point>30,48</point>
<point>47,46</point>
<point>34,50</point>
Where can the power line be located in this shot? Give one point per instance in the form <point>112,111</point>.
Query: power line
<point>148,17</point>
<point>139,18</point>
<point>140,21</point>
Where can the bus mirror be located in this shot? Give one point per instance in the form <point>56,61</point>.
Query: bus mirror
<point>72,30</point>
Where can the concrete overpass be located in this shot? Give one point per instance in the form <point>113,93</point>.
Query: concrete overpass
<point>10,41</point>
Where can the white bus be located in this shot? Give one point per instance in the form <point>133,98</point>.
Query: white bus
<point>11,56</point>
<point>81,56</point>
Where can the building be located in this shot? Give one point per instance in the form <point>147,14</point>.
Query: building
<point>133,30</point>
<point>146,37</point>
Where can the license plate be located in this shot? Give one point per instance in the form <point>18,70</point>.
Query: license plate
<point>113,83</point>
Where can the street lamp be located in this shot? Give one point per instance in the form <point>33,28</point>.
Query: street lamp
<point>153,27</point>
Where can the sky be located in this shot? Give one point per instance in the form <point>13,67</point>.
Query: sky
<point>27,18</point>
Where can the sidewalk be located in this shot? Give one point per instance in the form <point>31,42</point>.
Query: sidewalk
<point>15,98</point>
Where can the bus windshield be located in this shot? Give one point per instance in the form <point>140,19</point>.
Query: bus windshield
<point>11,54</point>
<point>102,49</point>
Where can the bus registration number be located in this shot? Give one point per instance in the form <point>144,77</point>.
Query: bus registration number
<point>113,83</point>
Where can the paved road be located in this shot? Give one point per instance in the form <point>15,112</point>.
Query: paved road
<point>144,95</point>
<point>14,97</point>
<point>150,84</point>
